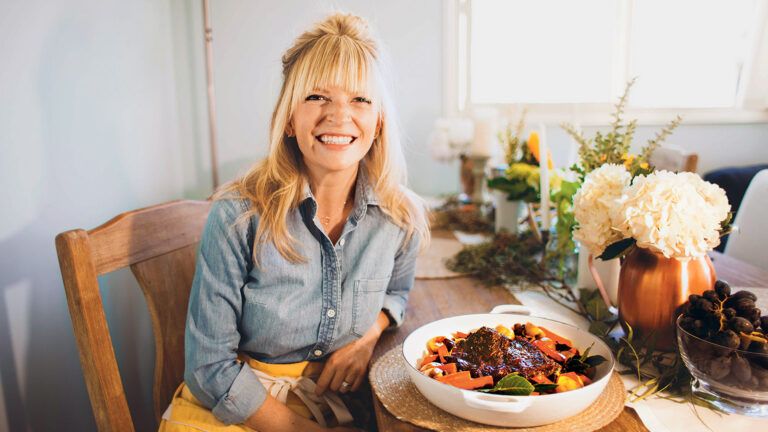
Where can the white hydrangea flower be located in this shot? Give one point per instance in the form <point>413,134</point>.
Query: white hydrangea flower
<point>595,202</point>
<point>677,215</point>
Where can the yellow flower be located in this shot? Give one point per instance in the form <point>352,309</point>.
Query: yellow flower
<point>628,159</point>
<point>533,146</point>
<point>644,165</point>
<point>603,157</point>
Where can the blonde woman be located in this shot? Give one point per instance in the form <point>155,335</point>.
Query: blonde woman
<point>307,258</point>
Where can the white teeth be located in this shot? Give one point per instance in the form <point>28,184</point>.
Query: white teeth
<point>332,139</point>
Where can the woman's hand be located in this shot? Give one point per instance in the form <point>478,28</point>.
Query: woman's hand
<point>349,363</point>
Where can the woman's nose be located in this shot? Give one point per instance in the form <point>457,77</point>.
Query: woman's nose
<point>338,112</point>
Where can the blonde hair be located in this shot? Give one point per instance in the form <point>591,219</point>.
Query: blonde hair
<point>337,52</point>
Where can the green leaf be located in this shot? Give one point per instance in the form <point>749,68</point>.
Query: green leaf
<point>726,226</point>
<point>568,189</point>
<point>597,309</point>
<point>595,360</point>
<point>515,189</point>
<point>587,294</point>
<point>617,249</point>
<point>598,328</point>
<point>541,388</point>
<point>512,384</point>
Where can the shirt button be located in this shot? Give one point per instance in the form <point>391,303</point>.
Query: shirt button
<point>331,313</point>
<point>318,353</point>
<point>341,242</point>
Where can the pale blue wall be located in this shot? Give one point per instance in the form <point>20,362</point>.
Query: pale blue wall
<point>88,129</point>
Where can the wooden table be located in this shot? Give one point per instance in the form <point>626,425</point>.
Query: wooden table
<point>431,300</point>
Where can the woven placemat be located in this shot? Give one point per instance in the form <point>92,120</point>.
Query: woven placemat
<point>403,400</point>
<point>431,263</point>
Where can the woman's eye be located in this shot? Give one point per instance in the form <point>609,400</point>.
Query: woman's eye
<point>362,99</point>
<point>316,97</point>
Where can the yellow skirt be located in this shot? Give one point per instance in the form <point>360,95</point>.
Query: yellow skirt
<point>187,414</point>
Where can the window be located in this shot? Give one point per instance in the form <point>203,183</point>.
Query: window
<point>558,56</point>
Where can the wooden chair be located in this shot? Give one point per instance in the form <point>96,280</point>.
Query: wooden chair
<point>674,158</point>
<point>159,244</point>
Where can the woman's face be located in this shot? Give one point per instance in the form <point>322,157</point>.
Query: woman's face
<point>334,129</point>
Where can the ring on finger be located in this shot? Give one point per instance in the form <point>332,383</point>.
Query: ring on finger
<point>345,385</point>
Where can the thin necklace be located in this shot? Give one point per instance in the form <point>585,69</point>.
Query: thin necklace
<point>325,220</point>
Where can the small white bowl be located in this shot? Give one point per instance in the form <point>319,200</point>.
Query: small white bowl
<point>503,410</point>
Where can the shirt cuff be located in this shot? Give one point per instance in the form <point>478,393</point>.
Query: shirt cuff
<point>395,310</point>
<point>245,396</point>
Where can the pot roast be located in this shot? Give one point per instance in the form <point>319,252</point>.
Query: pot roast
<point>487,352</point>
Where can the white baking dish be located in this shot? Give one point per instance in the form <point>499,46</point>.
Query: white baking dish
<point>502,410</point>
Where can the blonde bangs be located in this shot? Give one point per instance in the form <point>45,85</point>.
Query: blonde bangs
<point>333,62</point>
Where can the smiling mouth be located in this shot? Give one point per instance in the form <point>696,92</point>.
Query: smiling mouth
<point>338,140</point>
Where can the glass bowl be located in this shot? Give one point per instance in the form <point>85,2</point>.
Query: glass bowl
<point>733,380</point>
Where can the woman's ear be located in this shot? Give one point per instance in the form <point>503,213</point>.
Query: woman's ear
<point>289,129</point>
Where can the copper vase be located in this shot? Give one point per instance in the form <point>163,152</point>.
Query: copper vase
<point>652,289</point>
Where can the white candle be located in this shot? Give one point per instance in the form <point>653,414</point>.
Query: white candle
<point>485,135</point>
<point>544,175</point>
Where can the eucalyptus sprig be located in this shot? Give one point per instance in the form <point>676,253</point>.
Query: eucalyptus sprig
<point>613,147</point>
<point>512,142</point>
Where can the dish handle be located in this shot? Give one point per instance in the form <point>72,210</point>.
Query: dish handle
<point>508,405</point>
<point>511,308</point>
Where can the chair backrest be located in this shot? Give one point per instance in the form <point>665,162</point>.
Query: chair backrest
<point>748,244</point>
<point>158,243</point>
<point>674,158</point>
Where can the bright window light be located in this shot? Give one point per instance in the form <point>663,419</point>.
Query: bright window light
<point>557,51</point>
<point>689,53</point>
<point>685,53</point>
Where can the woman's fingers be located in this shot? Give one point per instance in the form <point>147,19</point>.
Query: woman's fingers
<point>324,380</point>
<point>339,377</point>
<point>358,382</point>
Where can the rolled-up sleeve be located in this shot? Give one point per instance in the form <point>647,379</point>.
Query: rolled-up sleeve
<point>214,376</point>
<point>403,275</point>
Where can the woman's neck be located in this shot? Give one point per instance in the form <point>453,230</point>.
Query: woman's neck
<point>332,189</point>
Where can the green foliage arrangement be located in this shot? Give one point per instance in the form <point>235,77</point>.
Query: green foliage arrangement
<point>521,180</point>
<point>613,147</point>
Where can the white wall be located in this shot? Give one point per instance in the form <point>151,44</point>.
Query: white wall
<point>88,129</point>
<point>102,109</point>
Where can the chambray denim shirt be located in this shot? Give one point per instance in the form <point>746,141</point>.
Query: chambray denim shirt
<point>283,312</point>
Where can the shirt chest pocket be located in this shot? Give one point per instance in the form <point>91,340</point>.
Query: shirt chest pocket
<point>368,298</point>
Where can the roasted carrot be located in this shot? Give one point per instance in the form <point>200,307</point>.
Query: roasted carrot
<point>427,359</point>
<point>548,348</point>
<point>585,379</point>
<point>556,337</point>
<point>458,375</point>
<point>449,368</point>
<point>442,351</point>
<point>541,379</point>
<point>464,380</point>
